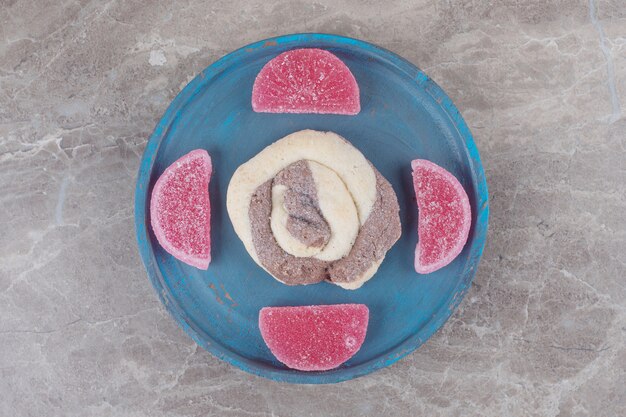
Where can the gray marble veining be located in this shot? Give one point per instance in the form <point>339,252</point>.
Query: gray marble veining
<point>542,85</point>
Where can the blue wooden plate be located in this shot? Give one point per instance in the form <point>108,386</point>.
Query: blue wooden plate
<point>404,115</point>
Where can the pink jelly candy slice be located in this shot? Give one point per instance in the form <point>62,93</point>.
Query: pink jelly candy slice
<point>314,338</point>
<point>444,217</point>
<point>306,81</point>
<point>180,210</point>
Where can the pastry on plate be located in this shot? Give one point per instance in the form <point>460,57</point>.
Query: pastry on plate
<point>310,207</point>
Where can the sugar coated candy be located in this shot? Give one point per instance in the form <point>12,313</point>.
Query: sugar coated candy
<point>444,217</point>
<point>180,209</point>
<point>314,338</point>
<point>306,81</point>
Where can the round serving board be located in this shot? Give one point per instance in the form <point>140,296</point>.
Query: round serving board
<point>404,115</point>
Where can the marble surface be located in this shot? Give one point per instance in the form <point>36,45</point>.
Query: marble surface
<point>542,85</point>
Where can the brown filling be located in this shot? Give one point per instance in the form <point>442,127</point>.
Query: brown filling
<point>306,223</point>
